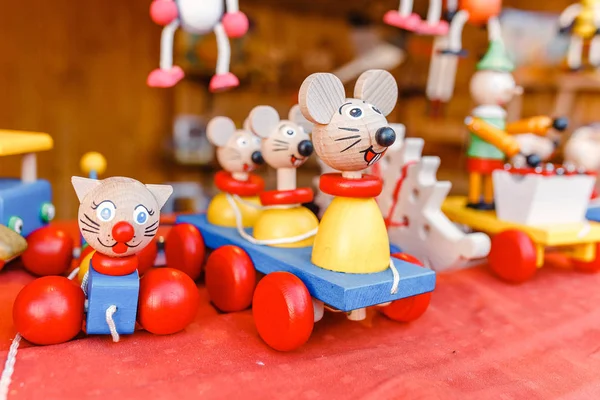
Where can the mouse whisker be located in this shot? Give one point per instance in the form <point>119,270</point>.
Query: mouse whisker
<point>347,138</point>
<point>351,146</point>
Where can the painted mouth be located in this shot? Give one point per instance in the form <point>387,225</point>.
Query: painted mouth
<point>296,162</point>
<point>371,157</point>
<point>119,247</point>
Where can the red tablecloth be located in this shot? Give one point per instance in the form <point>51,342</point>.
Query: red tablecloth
<point>480,339</point>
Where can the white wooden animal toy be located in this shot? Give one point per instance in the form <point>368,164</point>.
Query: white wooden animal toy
<point>582,21</point>
<point>198,18</point>
<point>411,201</point>
<point>238,153</point>
<point>350,135</point>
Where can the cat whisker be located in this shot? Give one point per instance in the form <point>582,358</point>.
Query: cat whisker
<point>91,220</point>
<point>351,146</point>
<point>151,230</point>
<point>89,225</point>
<point>87,230</point>
<point>152,225</point>
<point>149,235</point>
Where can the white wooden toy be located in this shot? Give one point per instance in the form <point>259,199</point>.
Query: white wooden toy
<point>198,18</point>
<point>582,19</point>
<point>583,148</point>
<point>411,202</point>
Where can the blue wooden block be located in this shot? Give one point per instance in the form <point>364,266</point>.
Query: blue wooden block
<point>343,291</point>
<point>394,249</point>
<point>24,200</point>
<point>105,291</point>
<point>593,214</point>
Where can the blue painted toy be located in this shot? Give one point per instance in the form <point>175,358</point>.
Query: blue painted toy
<point>105,291</point>
<point>593,213</point>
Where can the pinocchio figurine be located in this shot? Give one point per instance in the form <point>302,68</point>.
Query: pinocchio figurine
<point>492,87</point>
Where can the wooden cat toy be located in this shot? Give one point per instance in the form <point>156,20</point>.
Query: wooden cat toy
<point>492,139</point>
<point>197,18</point>
<point>582,20</point>
<point>285,146</point>
<point>118,217</point>
<point>351,135</point>
<point>238,152</point>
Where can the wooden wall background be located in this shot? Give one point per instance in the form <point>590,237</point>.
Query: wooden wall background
<point>77,70</point>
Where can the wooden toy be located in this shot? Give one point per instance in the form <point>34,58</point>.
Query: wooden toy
<point>12,245</point>
<point>411,200</point>
<point>26,206</point>
<point>491,140</point>
<point>582,21</point>
<point>404,18</point>
<point>447,49</point>
<point>198,18</point>
<point>350,135</point>
<point>238,152</point>
<point>285,146</point>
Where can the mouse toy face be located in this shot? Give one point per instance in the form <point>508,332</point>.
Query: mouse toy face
<point>350,134</point>
<point>238,151</point>
<point>119,216</point>
<point>285,143</point>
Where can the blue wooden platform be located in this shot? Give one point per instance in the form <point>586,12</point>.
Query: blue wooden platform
<point>343,291</point>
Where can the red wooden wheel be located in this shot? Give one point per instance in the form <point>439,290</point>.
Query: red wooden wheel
<point>513,256</point>
<point>184,249</point>
<point>283,311</point>
<point>49,310</point>
<point>49,252</point>
<point>589,266</point>
<point>230,278</point>
<point>226,183</point>
<point>410,308</point>
<point>284,197</point>
<point>407,309</point>
<point>336,185</point>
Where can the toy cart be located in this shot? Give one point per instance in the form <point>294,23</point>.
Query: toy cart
<point>535,211</point>
<point>294,293</point>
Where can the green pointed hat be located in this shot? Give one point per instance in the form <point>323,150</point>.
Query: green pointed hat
<point>496,59</point>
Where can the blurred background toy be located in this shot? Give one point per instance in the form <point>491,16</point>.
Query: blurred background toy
<point>582,22</point>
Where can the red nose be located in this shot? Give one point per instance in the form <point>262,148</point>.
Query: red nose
<point>122,232</point>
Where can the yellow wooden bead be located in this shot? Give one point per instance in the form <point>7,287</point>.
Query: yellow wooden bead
<point>93,161</point>
<point>84,266</point>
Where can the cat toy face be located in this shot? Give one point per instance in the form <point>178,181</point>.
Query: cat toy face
<point>119,216</point>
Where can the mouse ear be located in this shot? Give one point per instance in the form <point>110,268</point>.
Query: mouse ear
<point>379,88</point>
<point>219,130</point>
<point>161,193</point>
<point>321,95</point>
<point>263,120</point>
<point>296,117</point>
<point>246,125</point>
<point>83,186</point>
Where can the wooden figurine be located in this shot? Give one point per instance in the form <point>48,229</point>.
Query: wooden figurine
<point>198,18</point>
<point>12,245</point>
<point>491,140</point>
<point>404,18</point>
<point>285,147</point>
<point>238,152</point>
<point>582,20</point>
<point>351,135</point>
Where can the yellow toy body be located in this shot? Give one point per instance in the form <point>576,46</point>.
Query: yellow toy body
<point>17,142</point>
<point>352,237</point>
<point>84,266</point>
<point>278,223</point>
<point>220,212</point>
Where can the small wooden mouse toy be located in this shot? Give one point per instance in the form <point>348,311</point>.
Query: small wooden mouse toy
<point>285,146</point>
<point>238,152</point>
<point>350,135</point>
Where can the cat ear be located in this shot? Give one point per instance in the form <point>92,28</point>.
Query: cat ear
<point>83,186</point>
<point>161,193</point>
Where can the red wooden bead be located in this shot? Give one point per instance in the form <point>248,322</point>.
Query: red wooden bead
<point>87,250</point>
<point>169,301</point>
<point>408,258</point>
<point>230,278</point>
<point>49,310</point>
<point>226,183</point>
<point>114,266</point>
<point>285,197</point>
<point>184,249</point>
<point>2,264</point>
<point>335,184</point>
<point>283,311</point>
<point>49,251</point>
<point>147,257</point>
<point>513,256</point>
<point>407,309</point>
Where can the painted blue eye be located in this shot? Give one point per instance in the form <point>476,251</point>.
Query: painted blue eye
<point>106,211</point>
<point>355,112</point>
<point>141,215</point>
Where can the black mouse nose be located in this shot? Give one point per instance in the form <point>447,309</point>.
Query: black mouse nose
<point>385,136</point>
<point>305,148</point>
<point>257,158</point>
